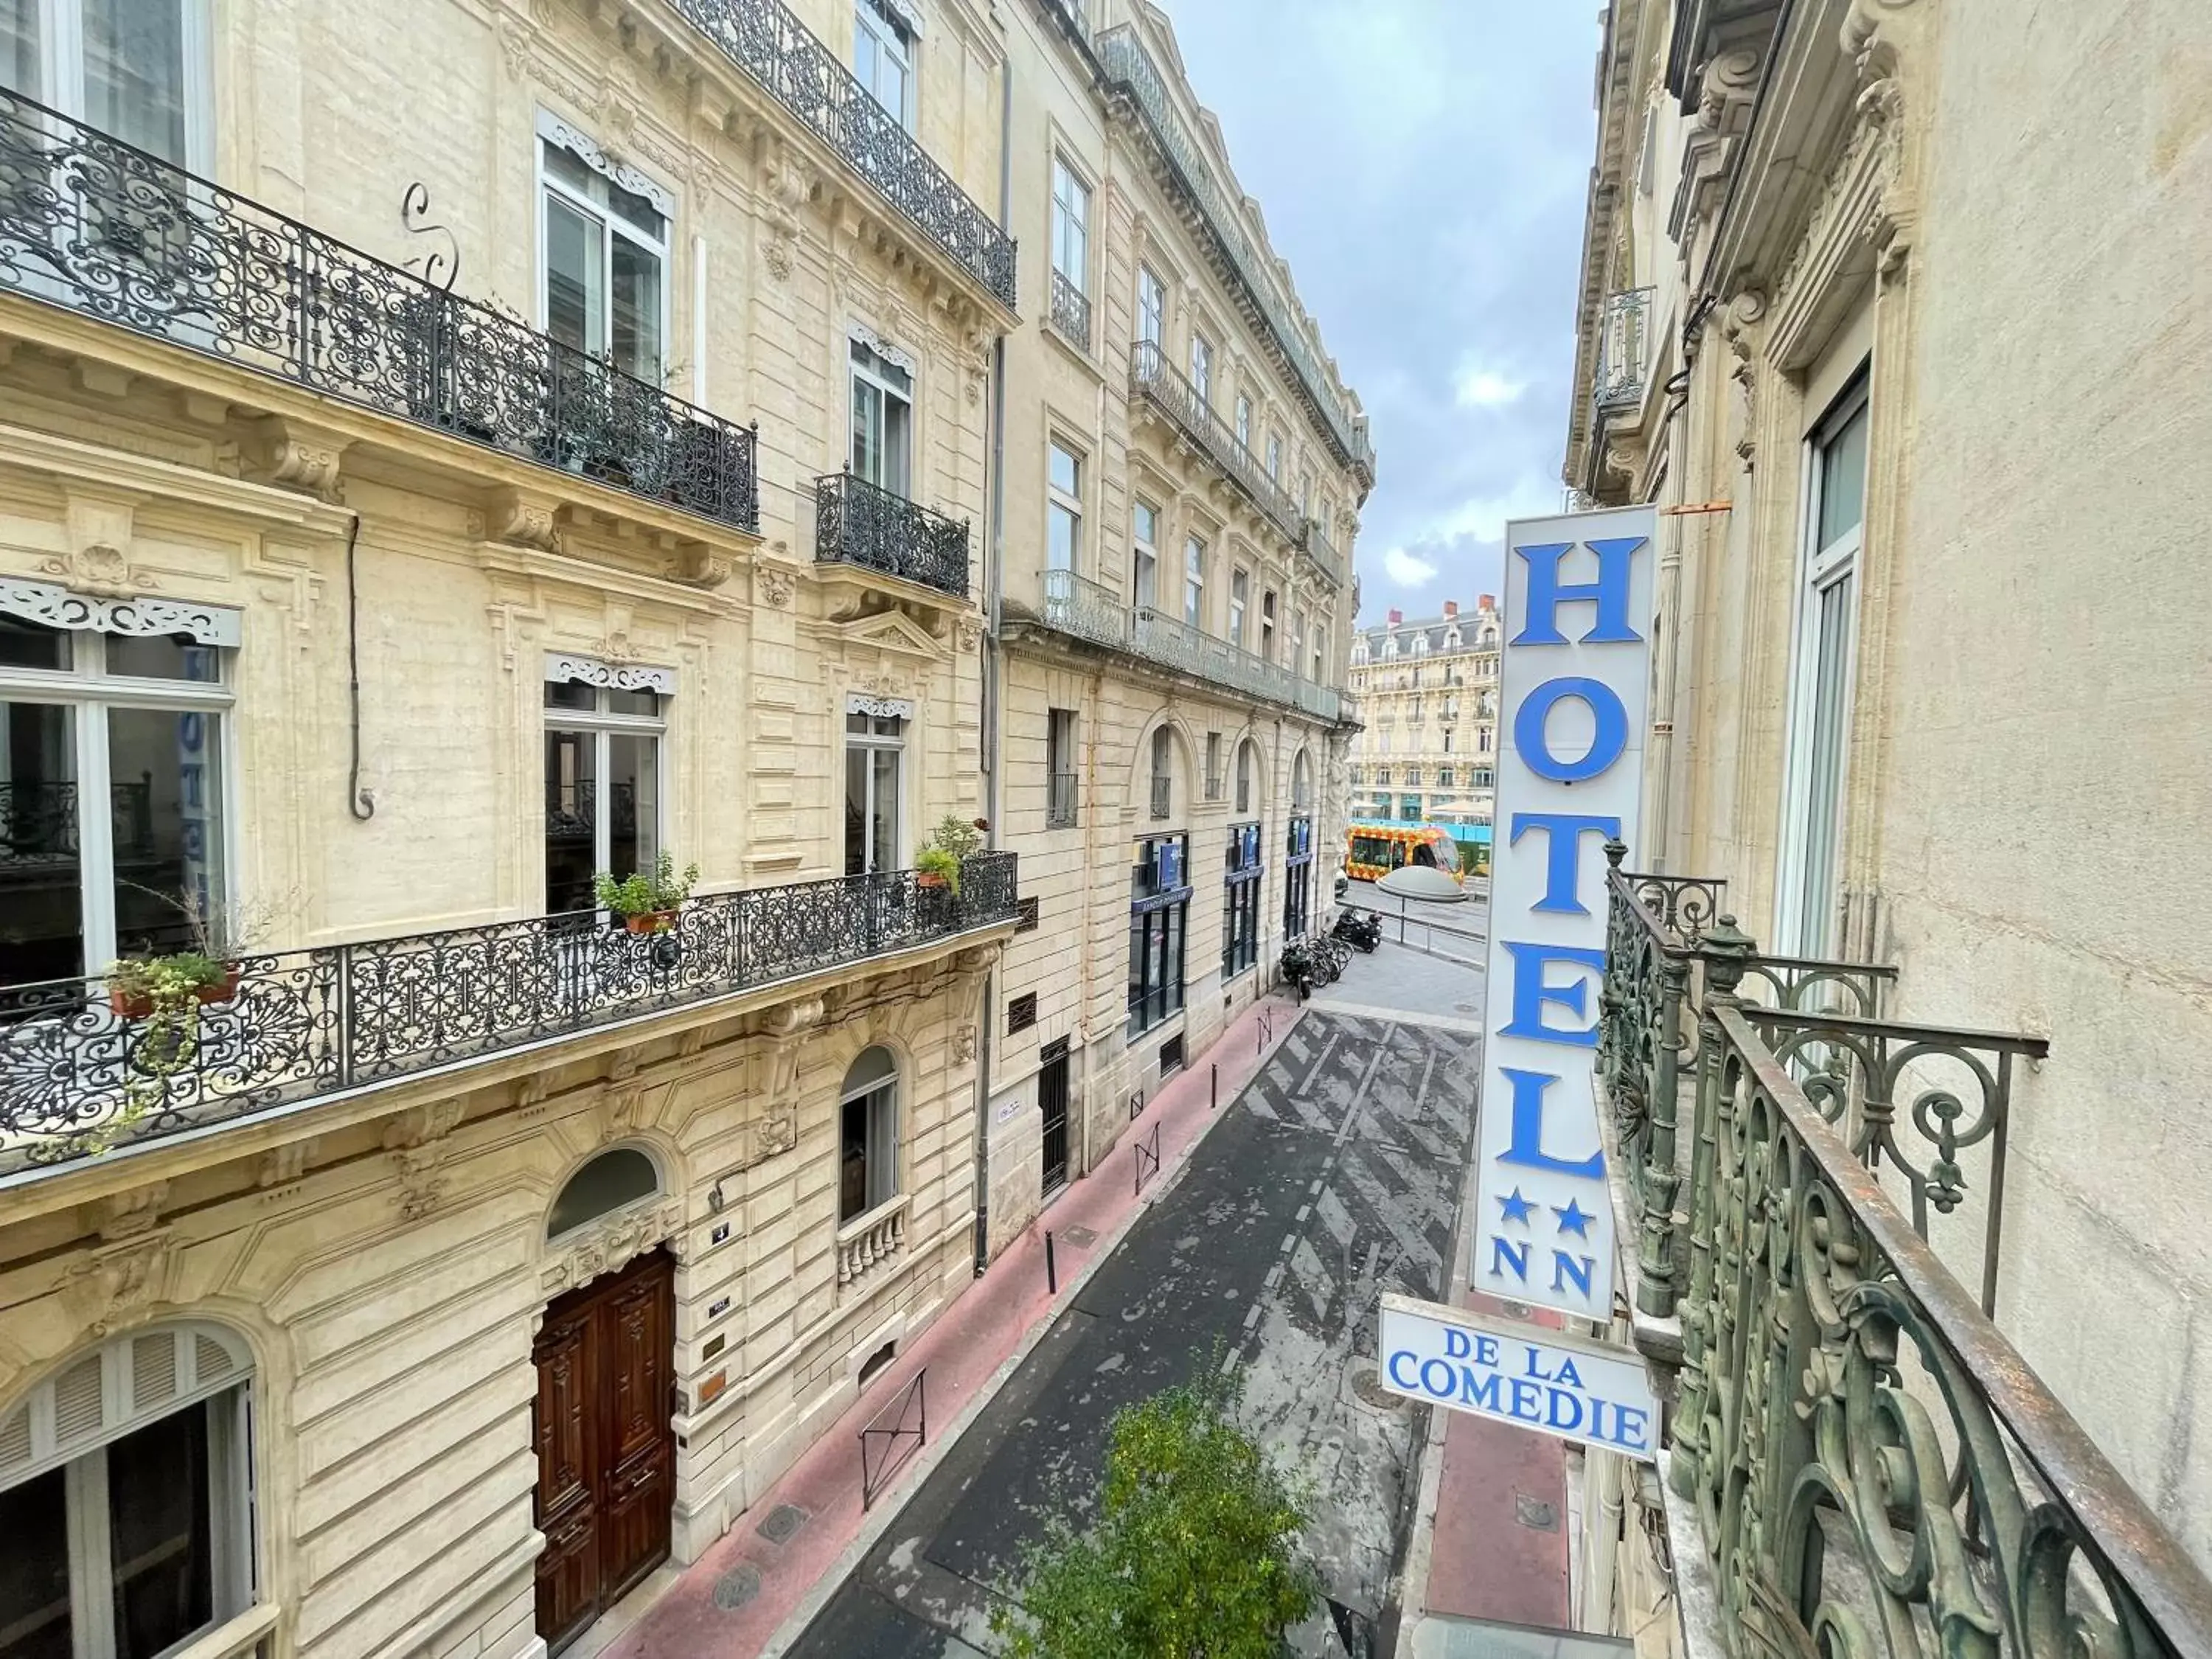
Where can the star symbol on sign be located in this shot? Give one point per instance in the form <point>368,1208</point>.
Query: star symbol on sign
<point>1516,1207</point>
<point>1572,1220</point>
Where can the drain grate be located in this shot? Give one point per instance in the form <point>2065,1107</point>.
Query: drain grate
<point>782,1522</point>
<point>736,1587</point>
<point>1535,1514</point>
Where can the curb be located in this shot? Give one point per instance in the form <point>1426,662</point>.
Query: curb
<point>873,1529</point>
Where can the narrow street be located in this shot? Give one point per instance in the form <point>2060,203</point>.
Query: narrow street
<point>1332,1179</point>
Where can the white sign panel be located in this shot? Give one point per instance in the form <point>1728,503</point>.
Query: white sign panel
<point>1513,1373</point>
<point>1573,714</point>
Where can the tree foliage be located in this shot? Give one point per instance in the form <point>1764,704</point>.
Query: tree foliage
<point>1193,1555</point>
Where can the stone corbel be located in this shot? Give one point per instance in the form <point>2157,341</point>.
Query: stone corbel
<point>299,455</point>
<point>773,584</point>
<point>124,1215</point>
<point>963,1044</point>
<point>116,1284</point>
<point>700,564</point>
<point>417,1140</point>
<point>528,517</point>
<point>1743,330</point>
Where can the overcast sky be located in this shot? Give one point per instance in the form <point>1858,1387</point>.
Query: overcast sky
<point>1423,165</point>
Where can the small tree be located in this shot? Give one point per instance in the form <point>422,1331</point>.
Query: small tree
<point>1194,1554</point>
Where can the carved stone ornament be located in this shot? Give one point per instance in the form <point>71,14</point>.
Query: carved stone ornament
<point>775,586</point>
<point>861,334</point>
<point>775,1132</point>
<point>562,668</point>
<point>613,1242</point>
<point>116,1284</point>
<point>525,519</point>
<point>58,607</point>
<point>964,1043</point>
<point>555,131</point>
<point>301,456</point>
<point>882,707</point>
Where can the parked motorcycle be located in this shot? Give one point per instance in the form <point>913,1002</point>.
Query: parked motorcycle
<point>1300,968</point>
<point>1361,929</point>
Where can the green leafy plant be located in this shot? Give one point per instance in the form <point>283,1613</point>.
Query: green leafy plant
<point>1193,1555</point>
<point>652,892</point>
<point>936,862</point>
<point>168,979</point>
<point>955,835</point>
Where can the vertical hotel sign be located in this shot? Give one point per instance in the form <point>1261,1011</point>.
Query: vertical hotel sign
<point>1575,695</point>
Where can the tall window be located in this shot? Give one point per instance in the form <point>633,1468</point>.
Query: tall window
<point>1071,225</point>
<point>112,751</point>
<point>1240,908</point>
<point>1201,367</point>
<point>1298,877</point>
<point>883,57</point>
<point>875,769</point>
<point>125,1498</point>
<point>1193,583</point>
<point>1275,457</point>
<point>602,788</point>
<point>1144,539</point>
<point>1063,509</point>
<point>1213,766</point>
<point>1244,419</point>
<point>1297,639</point>
<point>1059,768</point>
<point>134,68</point>
<point>1240,586</point>
<point>1320,652</point>
<point>606,254</point>
<point>1267,626</point>
<point>883,420</point>
<point>1820,712</point>
<point>1163,773</point>
<point>1159,918</point>
<point>1244,776</point>
<point>1151,308</point>
<point>867,1150</point>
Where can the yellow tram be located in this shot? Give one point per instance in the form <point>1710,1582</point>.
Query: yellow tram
<point>1373,850</point>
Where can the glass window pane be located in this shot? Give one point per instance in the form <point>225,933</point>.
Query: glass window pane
<point>35,1576</point>
<point>41,914</point>
<point>1823,780</point>
<point>1064,472</point>
<point>572,170</point>
<point>571,819</point>
<point>635,342</point>
<point>32,645</point>
<point>575,298</point>
<point>883,1146</point>
<point>882,835</point>
<point>1061,527</point>
<point>134,73</point>
<point>636,210</point>
<point>165,776</point>
<point>157,1525</point>
<point>647,703</point>
<point>19,71</point>
<point>1843,481</point>
<point>633,802</point>
<point>856,812</point>
<point>1147,579</point>
<point>570,693</point>
<point>609,1181</point>
<point>169,657</point>
<point>853,1159</point>
<point>897,420</point>
<point>1147,523</point>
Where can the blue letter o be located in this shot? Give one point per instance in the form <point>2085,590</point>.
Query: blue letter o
<point>1605,748</point>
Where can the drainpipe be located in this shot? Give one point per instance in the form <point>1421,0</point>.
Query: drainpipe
<point>995,587</point>
<point>1667,644</point>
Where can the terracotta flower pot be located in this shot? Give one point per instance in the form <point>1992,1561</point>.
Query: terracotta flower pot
<point>650,922</point>
<point>139,1004</point>
<point>930,878</point>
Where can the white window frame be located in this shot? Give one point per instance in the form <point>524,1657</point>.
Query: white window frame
<point>1821,570</point>
<point>1070,224</point>
<point>1193,583</point>
<point>873,741</point>
<point>891,1120</point>
<point>1151,309</point>
<point>1244,419</point>
<point>865,374</point>
<point>60,24</point>
<point>1144,572</point>
<point>1275,457</point>
<point>1201,367</point>
<point>553,133</point>
<point>89,691</point>
<point>872,21</point>
<point>1240,600</point>
<point>1060,503</point>
<point>602,725</point>
<point>1268,606</point>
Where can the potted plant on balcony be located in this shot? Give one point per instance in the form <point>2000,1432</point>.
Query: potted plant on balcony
<point>938,862</point>
<point>648,901</point>
<point>140,987</point>
<point>935,868</point>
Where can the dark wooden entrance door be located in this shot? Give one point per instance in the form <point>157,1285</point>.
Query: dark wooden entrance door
<point>606,1447</point>
<point>1052,1105</point>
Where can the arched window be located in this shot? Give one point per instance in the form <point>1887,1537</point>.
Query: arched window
<point>1244,775</point>
<point>610,1181</point>
<point>1302,783</point>
<point>868,1164</point>
<point>1162,773</point>
<point>124,1495</point>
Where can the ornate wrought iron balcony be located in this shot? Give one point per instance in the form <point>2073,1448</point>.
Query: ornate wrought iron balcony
<point>857,523</point>
<point>1153,378</point>
<point>1321,550</point>
<point>89,224</point>
<point>77,1078</point>
<point>795,68</point>
<point>1071,310</point>
<point>1086,610</point>
<point>1624,351</point>
<point>1130,70</point>
<point>1855,1447</point>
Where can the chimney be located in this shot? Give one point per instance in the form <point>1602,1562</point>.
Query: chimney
<point>1487,602</point>
<point>1451,609</point>
<point>1397,617</point>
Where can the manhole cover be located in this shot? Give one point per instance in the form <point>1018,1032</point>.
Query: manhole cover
<point>1368,1385</point>
<point>1535,1514</point>
<point>783,1520</point>
<point>1081,1235</point>
<point>736,1587</point>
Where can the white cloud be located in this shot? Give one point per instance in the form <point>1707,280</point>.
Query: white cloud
<point>1406,569</point>
<point>1483,388</point>
<point>1485,517</point>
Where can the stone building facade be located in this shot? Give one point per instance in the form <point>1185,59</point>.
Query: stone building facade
<point>1832,251</point>
<point>1182,471</point>
<point>555,436</point>
<point>1425,694</point>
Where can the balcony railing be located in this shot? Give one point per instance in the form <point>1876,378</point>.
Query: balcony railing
<point>856,522</point>
<point>1071,312</point>
<point>1163,795</point>
<point>1088,611</point>
<point>1060,803</point>
<point>77,1078</point>
<point>1153,378</point>
<point>1129,68</point>
<point>89,224</point>
<point>1323,551</point>
<point>801,72</point>
<point>1624,350</point>
<point>1858,1448</point>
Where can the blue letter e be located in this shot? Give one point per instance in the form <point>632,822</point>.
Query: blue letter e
<point>1530,993</point>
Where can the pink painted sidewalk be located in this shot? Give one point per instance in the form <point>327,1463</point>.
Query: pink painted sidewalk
<point>964,1352</point>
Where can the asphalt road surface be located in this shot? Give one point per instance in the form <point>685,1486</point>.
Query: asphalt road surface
<point>1334,1178</point>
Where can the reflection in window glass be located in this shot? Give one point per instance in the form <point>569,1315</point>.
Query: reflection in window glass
<point>42,921</point>
<point>32,645</point>
<point>134,73</point>
<point>165,778</point>
<point>158,1521</point>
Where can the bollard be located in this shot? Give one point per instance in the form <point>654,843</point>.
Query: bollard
<point>1213,1087</point>
<point>1051,1273</point>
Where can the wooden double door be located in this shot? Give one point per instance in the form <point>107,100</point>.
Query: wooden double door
<point>606,1445</point>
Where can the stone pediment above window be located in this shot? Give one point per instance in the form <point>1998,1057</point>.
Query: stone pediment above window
<point>893,631</point>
